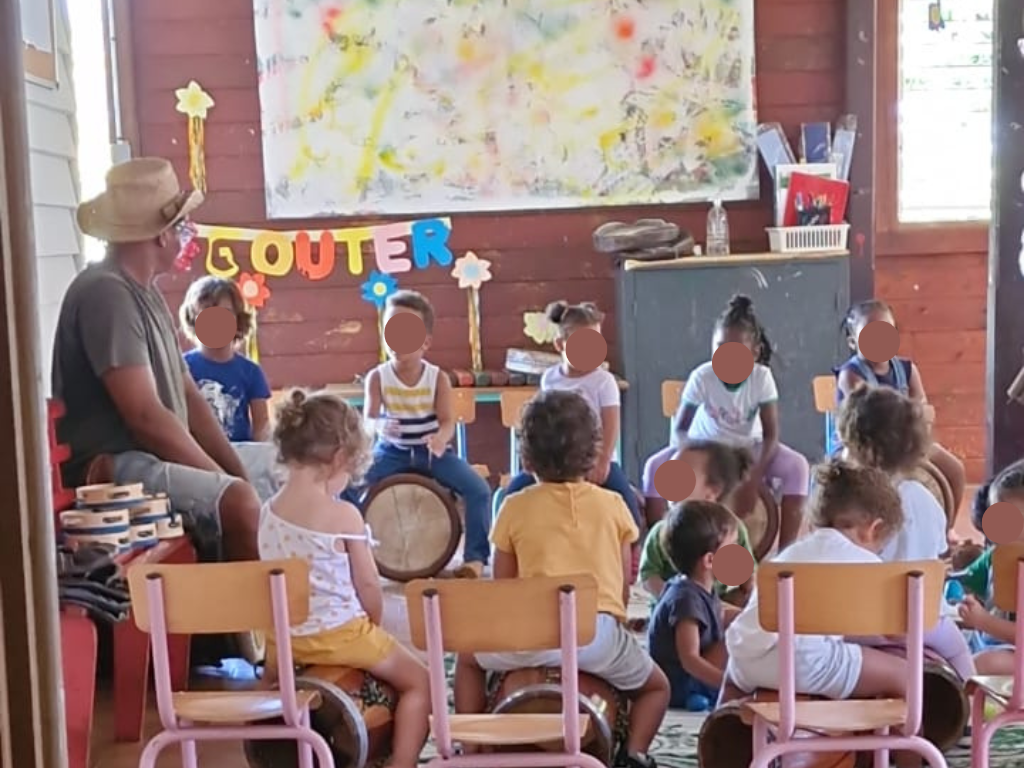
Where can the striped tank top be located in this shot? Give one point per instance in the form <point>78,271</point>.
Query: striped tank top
<point>412,407</point>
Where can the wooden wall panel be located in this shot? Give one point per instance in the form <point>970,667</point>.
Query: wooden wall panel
<point>312,335</point>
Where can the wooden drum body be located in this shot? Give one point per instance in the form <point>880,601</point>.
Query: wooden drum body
<point>763,523</point>
<point>726,739</point>
<point>947,707</point>
<point>416,524</point>
<point>931,477</point>
<point>539,691</point>
<point>355,717</point>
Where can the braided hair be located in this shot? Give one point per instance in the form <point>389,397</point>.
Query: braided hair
<point>739,316</point>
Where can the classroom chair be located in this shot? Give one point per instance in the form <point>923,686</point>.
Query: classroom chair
<point>464,407</point>
<point>671,394</point>
<point>899,599</point>
<point>512,403</point>
<point>1006,691</point>
<point>465,616</point>
<point>226,598</point>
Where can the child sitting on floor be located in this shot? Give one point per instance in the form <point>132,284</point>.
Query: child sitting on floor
<point>601,392</point>
<point>995,630</point>
<point>900,374</point>
<point>408,404</point>
<point>883,429</point>
<point>719,469</point>
<point>322,442</point>
<point>855,511</point>
<point>686,633</point>
<point>746,415</point>
<point>233,385</point>
<point>564,525</point>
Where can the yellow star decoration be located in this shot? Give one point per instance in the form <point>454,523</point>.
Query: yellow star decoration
<point>536,326</point>
<point>193,100</point>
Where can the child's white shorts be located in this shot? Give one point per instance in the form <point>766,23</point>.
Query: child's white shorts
<point>830,668</point>
<point>615,656</point>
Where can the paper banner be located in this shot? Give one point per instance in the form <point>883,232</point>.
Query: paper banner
<point>275,253</point>
<point>196,103</point>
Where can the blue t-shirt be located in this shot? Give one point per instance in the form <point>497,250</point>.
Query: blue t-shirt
<point>684,600</point>
<point>229,388</point>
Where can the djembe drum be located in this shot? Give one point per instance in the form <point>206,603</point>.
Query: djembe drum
<point>763,523</point>
<point>539,691</point>
<point>416,524</point>
<point>931,477</point>
<point>355,717</point>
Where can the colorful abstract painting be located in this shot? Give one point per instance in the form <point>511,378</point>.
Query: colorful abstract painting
<point>416,106</point>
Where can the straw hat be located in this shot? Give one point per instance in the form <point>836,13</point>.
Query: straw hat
<point>143,199</point>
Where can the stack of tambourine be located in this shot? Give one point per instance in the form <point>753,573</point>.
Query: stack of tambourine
<point>119,516</point>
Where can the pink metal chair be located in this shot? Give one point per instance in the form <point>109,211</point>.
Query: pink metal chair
<point>1005,690</point>
<point>877,599</point>
<point>226,598</point>
<point>467,616</point>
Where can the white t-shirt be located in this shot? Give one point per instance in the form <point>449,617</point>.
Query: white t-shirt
<point>923,535</point>
<point>745,639</point>
<point>728,413</point>
<point>598,387</point>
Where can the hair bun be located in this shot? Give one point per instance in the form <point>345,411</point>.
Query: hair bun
<point>741,303</point>
<point>556,311</point>
<point>292,412</point>
<point>830,471</point>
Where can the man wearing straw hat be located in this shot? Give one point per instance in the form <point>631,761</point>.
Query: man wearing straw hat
<point>133,412</point>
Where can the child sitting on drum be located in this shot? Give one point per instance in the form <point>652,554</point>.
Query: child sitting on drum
<point>995,630</point>
<point>745,415</point>
<point>855,511</point>
<point>686,633</point>
<point>719,469</point>
<point>900,374</point>
<point>564,525</point>
<point>324,446</point>
<point>883,429</point>
<point>601,392</point>
<point>408,405</point>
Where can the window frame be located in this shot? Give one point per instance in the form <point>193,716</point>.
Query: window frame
<point>894,237</point>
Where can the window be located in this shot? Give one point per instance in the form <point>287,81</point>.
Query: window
<point>937,143</point>
<point>945,112</point>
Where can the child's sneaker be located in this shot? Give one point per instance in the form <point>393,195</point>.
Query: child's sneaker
<point>635,760</point>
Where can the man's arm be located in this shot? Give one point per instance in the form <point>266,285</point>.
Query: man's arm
<point>133,391</point>
<point>208,433</point>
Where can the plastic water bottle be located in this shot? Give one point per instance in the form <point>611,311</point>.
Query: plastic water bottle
<point>718,230</point>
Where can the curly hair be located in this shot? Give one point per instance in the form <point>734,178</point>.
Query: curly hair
<point>694,528</point>
<point>847,495</point>
<point>883,428</point>
<point>739,315</point>
<point>560,436</point>
<point>416,302</point>
<point>208,292</point>
<point>312,429</point>
<point>725,466</point>
<point>568,317</point>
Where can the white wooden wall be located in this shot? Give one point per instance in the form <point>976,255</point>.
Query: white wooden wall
<point>55,188</point>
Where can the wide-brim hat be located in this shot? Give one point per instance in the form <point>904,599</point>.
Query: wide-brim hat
<point>143,199</point>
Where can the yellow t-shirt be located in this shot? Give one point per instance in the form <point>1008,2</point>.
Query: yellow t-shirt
<point>560,529</point>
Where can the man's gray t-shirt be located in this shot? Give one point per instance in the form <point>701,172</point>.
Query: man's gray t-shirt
<point>107,321</point>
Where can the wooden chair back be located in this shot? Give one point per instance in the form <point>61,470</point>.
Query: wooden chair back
<point>464,405</point>
<point>220,598</point>
<point>512,403</point>
<point>1006,559</point>
<point>824,393</point>
<point>855,599</point>
<point>671,394</point>
<point>496,615</point>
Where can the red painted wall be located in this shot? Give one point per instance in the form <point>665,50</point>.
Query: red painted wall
<point>312,334</point>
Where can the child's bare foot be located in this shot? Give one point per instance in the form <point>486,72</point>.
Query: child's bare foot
<point>470,570</point>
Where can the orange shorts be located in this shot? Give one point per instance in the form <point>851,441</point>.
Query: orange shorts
<point>359,643</point>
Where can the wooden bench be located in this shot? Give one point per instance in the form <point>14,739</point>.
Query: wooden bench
<point>131,646</point>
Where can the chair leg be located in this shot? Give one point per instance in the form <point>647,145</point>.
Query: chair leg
<point>324,757</point>
<point>882,755</point>
<point>981,732</point>
<point>189,758</point>
<point>933,756</point>
<point>304,747</point>
<point>150,753</point>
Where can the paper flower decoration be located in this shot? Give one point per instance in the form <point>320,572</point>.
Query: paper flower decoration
<point>378,288</point>
<point>537,327</point>
<point>193,100</point>
<point>472,271</point>
<point>254,289</point>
